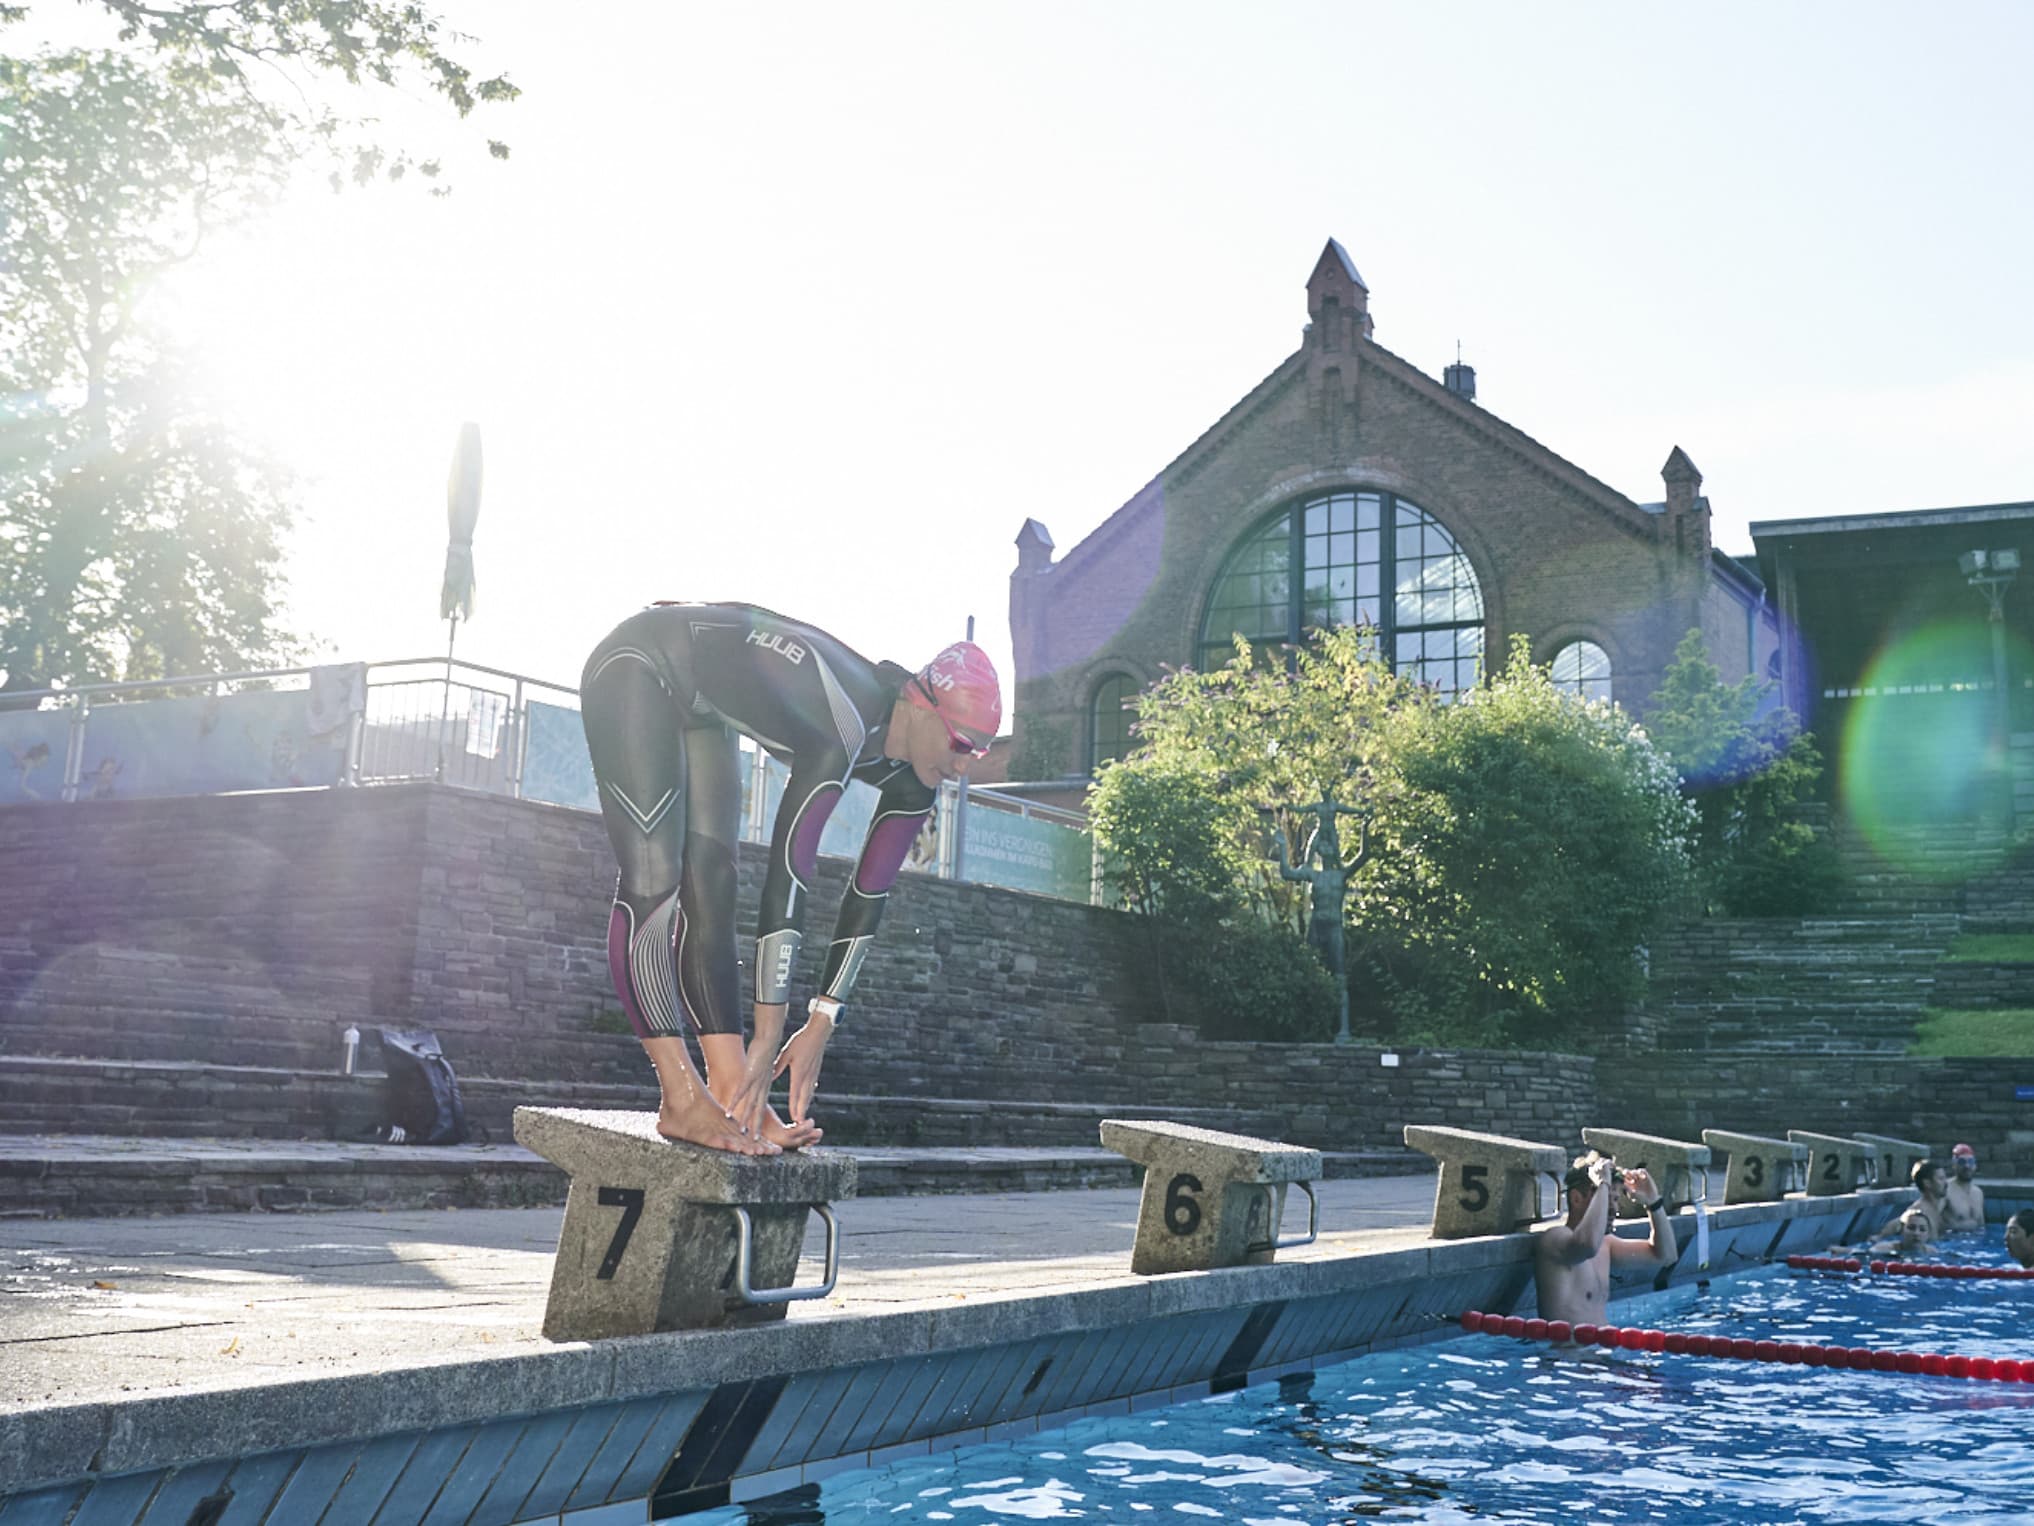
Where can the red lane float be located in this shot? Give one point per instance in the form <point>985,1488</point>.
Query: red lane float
<point>1912,1269</point>
<point>1677,1343</point>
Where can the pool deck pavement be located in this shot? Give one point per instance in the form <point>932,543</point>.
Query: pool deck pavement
<point>115,1308</point>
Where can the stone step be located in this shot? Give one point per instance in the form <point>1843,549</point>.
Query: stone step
<point>168,1098</point>
<point>84,1176</point>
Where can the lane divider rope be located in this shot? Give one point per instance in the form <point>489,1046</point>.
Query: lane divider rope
<point>1982,1369</point>
<point>1911,1269</point>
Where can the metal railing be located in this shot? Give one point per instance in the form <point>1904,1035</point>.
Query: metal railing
<point>446,721</point>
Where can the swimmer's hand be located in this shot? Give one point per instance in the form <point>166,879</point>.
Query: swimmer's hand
<point>1638,1186</point>
<point>752,1098</point>
<point>803,1055</point>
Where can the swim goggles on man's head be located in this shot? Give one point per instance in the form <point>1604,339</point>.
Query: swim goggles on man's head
<point>958,741</point>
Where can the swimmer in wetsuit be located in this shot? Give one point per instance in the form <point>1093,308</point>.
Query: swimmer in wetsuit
<point>663,699</point>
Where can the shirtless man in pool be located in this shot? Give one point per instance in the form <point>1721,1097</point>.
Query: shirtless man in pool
<point>1572,1260</point>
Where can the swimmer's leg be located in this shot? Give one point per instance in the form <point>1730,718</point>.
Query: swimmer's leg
<point>634,734</point>
<point>707,969</point>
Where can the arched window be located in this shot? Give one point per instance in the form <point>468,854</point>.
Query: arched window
<point>1109,719</point>
<point>1582,668</point>
<point>1329,560</point>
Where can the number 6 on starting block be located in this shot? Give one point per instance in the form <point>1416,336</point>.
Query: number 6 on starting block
<point>1211,1199</point>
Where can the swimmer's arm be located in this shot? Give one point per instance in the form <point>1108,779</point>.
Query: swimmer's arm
<point>1586,1238</point>
<point>898,821</point>
<point>1658,1248</point>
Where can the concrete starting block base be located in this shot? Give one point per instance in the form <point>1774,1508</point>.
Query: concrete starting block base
<point>1489,1184</point>
<point>1673,1163</point>
<point>652,1235</point>
<point>1897,1157</point>
<point>1210,1199</point>
<point>1838,1163</point>
<point>1761,1169</point>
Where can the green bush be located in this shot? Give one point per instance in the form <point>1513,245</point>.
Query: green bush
<point>1535,842</point>
<point>1249,980</point>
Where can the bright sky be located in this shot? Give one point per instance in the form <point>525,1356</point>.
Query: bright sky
<point>813,305</point>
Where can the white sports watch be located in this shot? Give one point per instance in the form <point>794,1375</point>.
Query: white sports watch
<point>826,1007</point>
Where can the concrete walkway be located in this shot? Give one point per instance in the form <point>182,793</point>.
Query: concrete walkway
<point>94,1309</point>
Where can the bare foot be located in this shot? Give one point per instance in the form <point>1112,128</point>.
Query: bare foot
<point>792,1136</point>
<point>700,1121</point>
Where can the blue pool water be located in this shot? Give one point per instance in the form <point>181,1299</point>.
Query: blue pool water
<point>1483,1429</point>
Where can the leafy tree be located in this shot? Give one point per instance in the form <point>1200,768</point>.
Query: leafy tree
<point>137,537</point>
<point>1256,733</point>
<point>1747,774</point>
<point>1532,846</point>
<point>1220,964</point>
<point>1522,845</point>
<point>275,53</point>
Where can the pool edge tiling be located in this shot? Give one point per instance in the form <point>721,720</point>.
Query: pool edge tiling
<point>692,1420</point>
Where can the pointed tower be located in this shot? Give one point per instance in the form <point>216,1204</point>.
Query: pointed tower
<point>1687,510</point>
<point>1338,319</point>
<point>1338,303</point>
<point>1029,600</point>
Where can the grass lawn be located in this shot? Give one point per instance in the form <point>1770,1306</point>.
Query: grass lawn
<point>1991,948</point>
<point>1999,1031</point>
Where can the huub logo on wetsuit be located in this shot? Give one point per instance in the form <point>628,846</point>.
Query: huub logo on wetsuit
<point>777,641</point>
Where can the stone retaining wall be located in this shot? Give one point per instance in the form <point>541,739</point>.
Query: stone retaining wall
<point>1964,985</point>
<point>1938,1102</point>
<point>249,929</point>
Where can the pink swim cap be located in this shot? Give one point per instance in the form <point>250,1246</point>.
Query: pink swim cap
<point>963,682</point>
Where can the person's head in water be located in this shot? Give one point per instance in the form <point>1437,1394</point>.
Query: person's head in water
<point>2020,1237</point>
<point>1583,1178</point>
<point>951,709</point>
<point>1963,1161</point>
<point>1927,1176</point>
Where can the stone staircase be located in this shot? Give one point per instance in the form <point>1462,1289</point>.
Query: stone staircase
<point>112,1003</point>
<point>1820,984</point>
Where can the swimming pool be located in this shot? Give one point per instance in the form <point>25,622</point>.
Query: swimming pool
<point>1485,1429</point>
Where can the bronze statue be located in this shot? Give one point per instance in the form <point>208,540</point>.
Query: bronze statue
<point>1328,886</point>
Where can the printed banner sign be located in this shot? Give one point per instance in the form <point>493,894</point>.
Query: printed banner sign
<point>33,746</point>
<point>1025,853</point>
<point>208,745</point>
<point>557,769</point>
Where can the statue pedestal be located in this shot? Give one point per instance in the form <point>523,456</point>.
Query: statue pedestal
<point>666,1236</point>
<point>1210,1199</point>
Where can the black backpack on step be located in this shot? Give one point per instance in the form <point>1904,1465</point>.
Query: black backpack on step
<point>421,1102</point>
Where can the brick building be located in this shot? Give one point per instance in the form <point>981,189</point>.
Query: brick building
<point>1398,501</point>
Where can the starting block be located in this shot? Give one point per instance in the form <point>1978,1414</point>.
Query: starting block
<point>1211,1199</point>
<point>666,1236</point>
<point>1489,1185</point>
<point>1840,1163</point>
<point>1761,1170</point>
<point>1896,1157</point>
<point>1679,1169</point>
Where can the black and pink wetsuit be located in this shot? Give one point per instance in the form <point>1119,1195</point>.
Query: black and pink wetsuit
<point>663,698</point>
